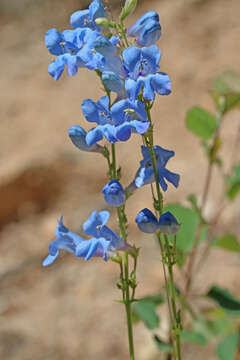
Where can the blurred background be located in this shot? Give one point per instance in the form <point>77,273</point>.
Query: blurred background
<point>67,311</point>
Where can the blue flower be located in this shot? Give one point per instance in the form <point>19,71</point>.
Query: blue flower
<point>116,124</point>
<point>142,67</point>
<point>86,18</point>
<point>96,226</point>
<point>53,40</point>
<point>147,221</point>
<point>104,242</point>
<point>114,193</point>
<point>147,28</point>
<point>168,224</point>
<point>145,174</point>
<point>78,136</point>
<point>75,49</point>
<point>65,240</point>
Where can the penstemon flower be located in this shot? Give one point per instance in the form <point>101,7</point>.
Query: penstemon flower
<point>104,243</point>
<point>147,29</point>
<point>145,174</point>
<point>117,123</point>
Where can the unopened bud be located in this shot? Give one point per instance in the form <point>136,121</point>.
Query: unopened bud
<point>105,23</point>
<point>129,7</point>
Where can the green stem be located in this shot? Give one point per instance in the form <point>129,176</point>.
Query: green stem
<point>166,288</point>
<point>177,321</point>
<point>123,33</point>
<point>174,318</point>
<point>128,308</point>
<point>125,288</point>
<point>149,142</point>
<point>114,167</point>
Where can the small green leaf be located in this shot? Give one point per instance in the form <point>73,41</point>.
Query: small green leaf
<point>225,300</point>
<point>193,337</point>
<point>162,346</point>
<point>227,83</point>
<point>233,183</point>
<point>188,220</point>
<point>146,311</point>
<point>228,242</point>
<point>226,93</point>
<point>201,122</point>
<point>227,349</point>
<point>157,299</point>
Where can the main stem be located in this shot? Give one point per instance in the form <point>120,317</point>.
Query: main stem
<point>125,289</point>
<point>175,322</point>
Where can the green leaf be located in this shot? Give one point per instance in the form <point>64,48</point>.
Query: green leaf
<point>146,311</point>
<point>227,349</point>
<point>188,220</point>
<point>193,337</point>
<point>233,183</point>
<point>225,300</point>
<point>210,328</point>
<point>226,93</point>
<point>162,346</point>
<point>157,299</point>
<point>228,242</point>
<point>227,83</point>
<point>201,122</point>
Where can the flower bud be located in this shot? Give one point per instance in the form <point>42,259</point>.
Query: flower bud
<point>129,7</point>
<point>105,23</point>
<point>78,136</point>
<point>114,193</point>
<point>168,224</point>
<point>147,221</point>
<point>113,82</point>
<point>105,47</point>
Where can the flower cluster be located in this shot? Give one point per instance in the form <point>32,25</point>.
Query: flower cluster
<point>128,72</point>
<point>103,243</point>
<point>127,62</point>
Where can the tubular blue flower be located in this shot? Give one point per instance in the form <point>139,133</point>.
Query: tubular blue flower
<point>114,83</point>
<point>105,47</point>
<point>78,136</point>
<point>142,67</point>
<point>168,224</point>
<point>53,40</point>
<point>65,240</point>
<point>145,174</point>
<point>147,221</point>
<point>75,49</point>
<point>114,193</point>
<point>104,242</point>
<point>96,226</point>
<point>86,18</point>
<point>116,124</point>
<point>147,28</point>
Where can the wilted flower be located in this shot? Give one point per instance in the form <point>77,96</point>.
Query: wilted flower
<point>114,193</point>
<point>168,224</point>
<point>147,221</point>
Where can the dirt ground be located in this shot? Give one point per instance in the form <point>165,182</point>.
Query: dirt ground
<point>67,311</point>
